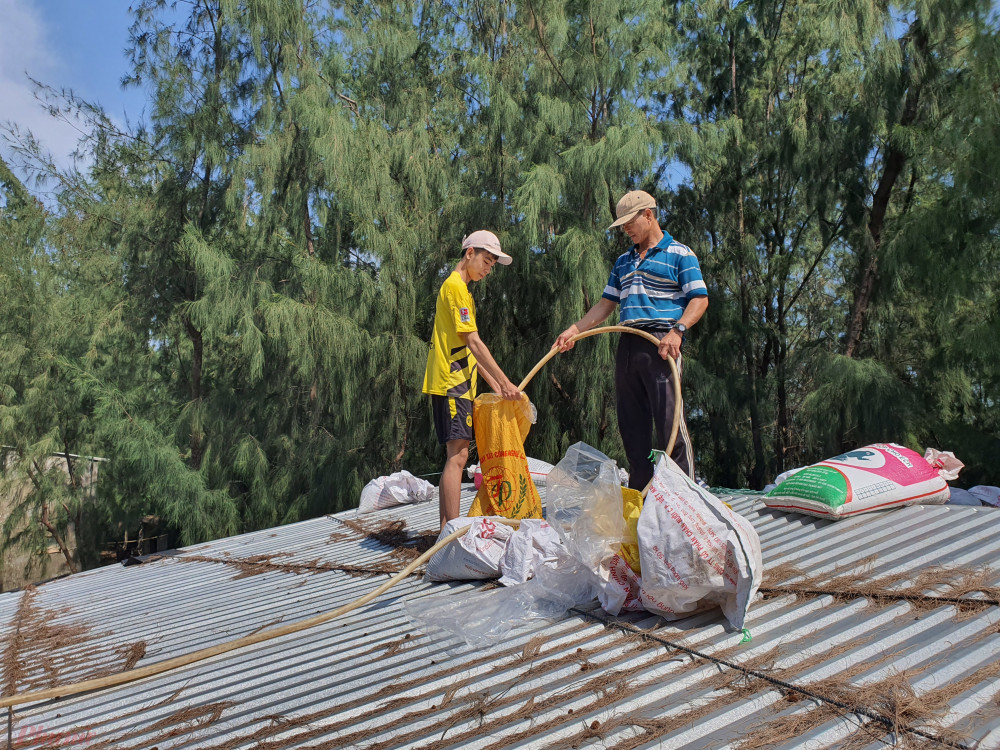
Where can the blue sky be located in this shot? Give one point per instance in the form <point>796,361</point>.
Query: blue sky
<point>73,44</point>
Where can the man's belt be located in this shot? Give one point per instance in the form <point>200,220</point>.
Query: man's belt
<point>655,330</point>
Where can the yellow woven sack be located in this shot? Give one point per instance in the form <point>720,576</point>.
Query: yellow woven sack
<point>501,427</point>
<point>631,508</point>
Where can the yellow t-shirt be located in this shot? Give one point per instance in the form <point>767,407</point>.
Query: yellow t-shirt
<point>451,367</point>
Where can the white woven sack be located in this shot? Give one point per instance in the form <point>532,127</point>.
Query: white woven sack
<point>695,552</point>
<point>396,489</point>
<point>474,556</point>
<point>533,545</point>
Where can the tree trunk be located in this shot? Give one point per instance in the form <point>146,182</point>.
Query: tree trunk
<point>307,225</point>
<point>895,161</point>
<point>197,359</point>
<point>781,433</point>
<point>780,345</point>
<point>756,431</point>
<point>54,533</point>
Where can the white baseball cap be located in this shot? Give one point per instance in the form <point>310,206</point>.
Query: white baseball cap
<point>488,241</point>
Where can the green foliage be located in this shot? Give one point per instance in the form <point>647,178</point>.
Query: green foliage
<point>814,139</point>
<point>43,411</point>
<point>232,302</point>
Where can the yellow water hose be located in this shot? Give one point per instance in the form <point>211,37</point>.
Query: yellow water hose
<point>151,670</point>
<point>649,337</point>
<point>131,675</point>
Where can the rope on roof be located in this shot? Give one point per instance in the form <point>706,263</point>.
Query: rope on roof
<point>891,725</point>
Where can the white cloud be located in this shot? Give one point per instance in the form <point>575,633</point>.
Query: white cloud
<point>26,50</point>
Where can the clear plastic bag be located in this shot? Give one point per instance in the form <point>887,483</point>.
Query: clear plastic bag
<point>584,506</point>
<point>475,555</point>
<point>583,503</point>
<point>533,545</point>
<point>483,618</point>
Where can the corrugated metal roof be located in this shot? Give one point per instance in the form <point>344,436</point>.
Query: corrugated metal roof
<point>369,680</point>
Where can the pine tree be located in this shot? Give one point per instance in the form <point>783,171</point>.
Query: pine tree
<point>754,120</point>
<point>787,164</point>
<point>232,303</point>
<point>557,135</point>
<point>918,83</point>
<point>43,411</point>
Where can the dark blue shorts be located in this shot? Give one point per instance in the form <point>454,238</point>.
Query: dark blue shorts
<point>452,418</point>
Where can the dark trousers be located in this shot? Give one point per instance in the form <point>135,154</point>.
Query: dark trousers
<point>644,390</point>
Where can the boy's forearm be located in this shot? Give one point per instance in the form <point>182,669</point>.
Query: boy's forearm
<point>488,366</point>
<point>488,377</point>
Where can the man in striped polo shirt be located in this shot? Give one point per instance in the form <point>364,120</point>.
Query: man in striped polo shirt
<point>658,285</point>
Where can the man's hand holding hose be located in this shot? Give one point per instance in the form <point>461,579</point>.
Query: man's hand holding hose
<point>670,345</point>
<point>597,314</point>
<point>565,342</point>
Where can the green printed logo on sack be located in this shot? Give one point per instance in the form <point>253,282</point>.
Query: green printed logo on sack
<point>498,486</point>
<point>878,476</point>
<point>821,484</point>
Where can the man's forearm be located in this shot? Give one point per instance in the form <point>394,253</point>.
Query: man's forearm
<point>694,311</point>
<point>670,345</point>
<point>597,314</point>
<point>594,315</point>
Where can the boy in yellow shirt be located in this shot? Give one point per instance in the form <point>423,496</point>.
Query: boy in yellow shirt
<point>457,354</point>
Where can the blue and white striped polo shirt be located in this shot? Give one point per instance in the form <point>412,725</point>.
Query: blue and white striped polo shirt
<point>653,291</point>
